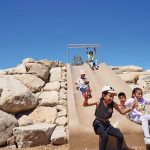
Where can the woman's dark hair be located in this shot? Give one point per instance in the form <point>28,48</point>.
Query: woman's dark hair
<point>104,93</point>
<point>135,91</point>
<point>91,52</point>
<point>121,94</point>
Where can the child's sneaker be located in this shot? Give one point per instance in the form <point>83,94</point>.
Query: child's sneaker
<point>97,67</point>
<point>147,140</point>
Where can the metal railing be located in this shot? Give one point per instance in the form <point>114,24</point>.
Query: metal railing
<point>69,46</point>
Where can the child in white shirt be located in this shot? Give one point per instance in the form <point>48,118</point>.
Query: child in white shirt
<point>83,85</point>
<point>139,114</point>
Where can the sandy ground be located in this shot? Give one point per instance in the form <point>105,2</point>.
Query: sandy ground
<point>47,147</point>
<point>62,147</point>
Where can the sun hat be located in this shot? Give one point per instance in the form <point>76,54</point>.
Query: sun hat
<point>82,72</point>
<point>108,89</point>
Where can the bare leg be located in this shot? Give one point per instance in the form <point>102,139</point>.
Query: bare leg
<point>145,125</point>
<point>89,93</point>
<point>85,103</point>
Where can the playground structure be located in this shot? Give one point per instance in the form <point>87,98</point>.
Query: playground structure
<point>81,46</point>
<point>81,133</point>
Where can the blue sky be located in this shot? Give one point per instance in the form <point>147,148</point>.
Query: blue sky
<point>41,29</point>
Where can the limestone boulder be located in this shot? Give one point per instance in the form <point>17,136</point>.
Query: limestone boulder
<point>144,81</point>
<point>63,102</point>
<point>11,147</point>
<point>33,135</point>
<point>61,108</point>
<point>37,96</point>
<point>52,86</point>
<point>141,82</point>
<point>43,114</point>
<point>15,97</point>
<point>116,69</point>
<point>11,71</point>
<point>3,72</point>
<point>147,72</point>
<point>64,69</point>
<point>39,70</point>
<point>129,77</point>
<point>11,141</point>
<point>49,64</point>
<point>62,96</point>
<point>7,123</point>
<point>28,60</point>
<point>64,85</point>
<point>20,69</point>
<point>59,136</point>
<point>24,121</point>
<point>61,121</point>
<point>49,98</point>
<point>146,78</point>
<point>55,74</point>
<point>31,81</point>
<point>62,113</point>
<point>64,74</point>
<point>63,91</point>
<point>131,68</point>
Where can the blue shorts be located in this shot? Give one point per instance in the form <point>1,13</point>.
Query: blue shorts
<point>83,90</point>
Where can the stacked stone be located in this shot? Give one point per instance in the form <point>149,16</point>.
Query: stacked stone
<point>135,76</point>
<point>33,103</point>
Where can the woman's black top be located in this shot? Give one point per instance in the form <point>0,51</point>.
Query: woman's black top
<point>104,112</point>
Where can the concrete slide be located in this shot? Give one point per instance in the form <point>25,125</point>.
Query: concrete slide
<point>81,133</point>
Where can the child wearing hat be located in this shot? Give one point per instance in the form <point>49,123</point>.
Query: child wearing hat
<point>84,87</point>
<point>103,113</point>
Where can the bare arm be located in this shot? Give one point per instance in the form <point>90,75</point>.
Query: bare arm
<point>122,111</point>
<point>92,103</point>
<point>129,102</point>
<point>87,50</point>
<point>94,53</point>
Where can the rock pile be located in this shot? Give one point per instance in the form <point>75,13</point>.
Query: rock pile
<point>135,76</point>
<point>33,104</point>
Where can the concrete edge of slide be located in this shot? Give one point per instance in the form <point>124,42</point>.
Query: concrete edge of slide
<point>72,114</point>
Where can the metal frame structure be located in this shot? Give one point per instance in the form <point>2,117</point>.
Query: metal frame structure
<point>69,46</point>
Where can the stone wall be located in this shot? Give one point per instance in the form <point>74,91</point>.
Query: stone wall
<point>33,98</point>
<point>135,76</point>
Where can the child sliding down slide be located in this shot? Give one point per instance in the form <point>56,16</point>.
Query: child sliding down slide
<point>84,87</point>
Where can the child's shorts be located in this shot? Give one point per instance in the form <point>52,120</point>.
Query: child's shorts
<point>83,90</point>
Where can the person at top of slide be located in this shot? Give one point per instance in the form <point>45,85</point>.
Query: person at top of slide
<point>91,59</point>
